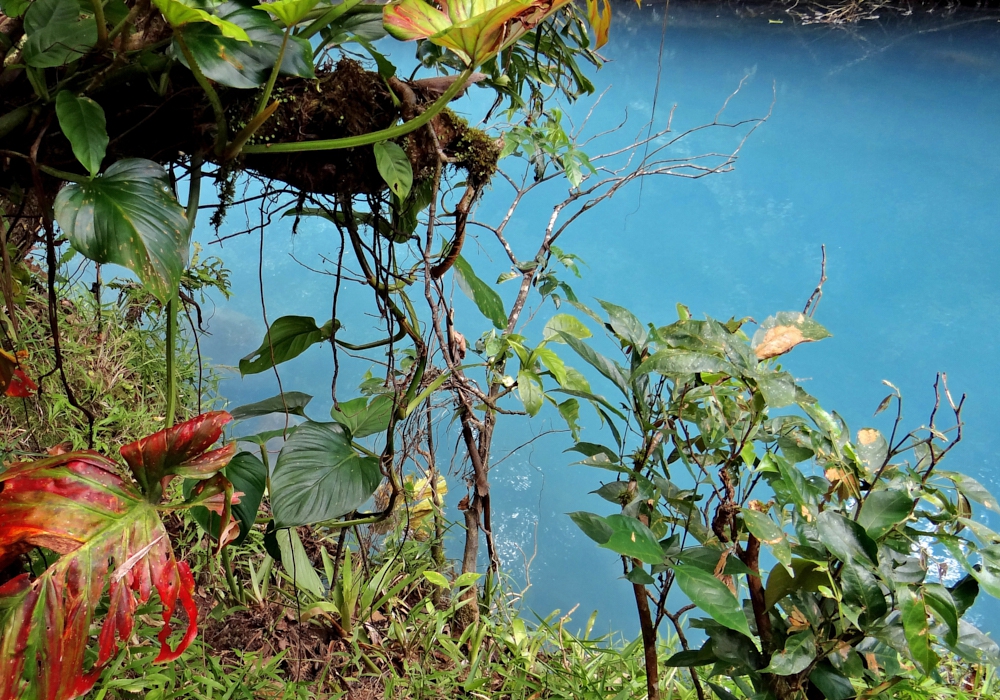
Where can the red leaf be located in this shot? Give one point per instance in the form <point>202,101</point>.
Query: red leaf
<point>111,540</point>
<point>178,451</point>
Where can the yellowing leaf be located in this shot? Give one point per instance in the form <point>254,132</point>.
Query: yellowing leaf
<point>600,22</point>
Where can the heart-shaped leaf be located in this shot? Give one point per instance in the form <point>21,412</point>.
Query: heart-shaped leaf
<point>129,216</point>
<point>82,121</point>
<point>58,33</point>
<point>364,418</point>
<point>319,476</point>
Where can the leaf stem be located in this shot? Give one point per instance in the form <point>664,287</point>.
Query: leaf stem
<point>227,566</point>
<point>221,136</point>
<point>392,132</point>
<point>266,96</point>
<point>171,366</point>
<point>102,24</point>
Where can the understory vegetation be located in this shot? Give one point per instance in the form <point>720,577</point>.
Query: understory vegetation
<point>153,546</point>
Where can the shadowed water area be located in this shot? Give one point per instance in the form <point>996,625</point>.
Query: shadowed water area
<point>882,145</point>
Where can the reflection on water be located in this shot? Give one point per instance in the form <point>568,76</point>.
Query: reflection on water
<point>882,145</point>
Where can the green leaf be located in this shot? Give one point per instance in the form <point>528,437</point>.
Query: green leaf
<point>58,33</point>
<point>692,657</point>
<point>780,333</point>
<point>768,532</point>
<point>437,579</point>
<point>233,62</point>
<point>833,685</point>
<point>248,476</point>
<point>972,489</point>
<point>394,166</point>
<point>862,589</point>
<point>883,510</point>
<point>707,558</point>
<point>295,561</point>
<point>916,629</point>
<point>671,363</point>
<point>778,388</point>
<point>14,8</point>
<point>294,402</point>
<point>364,418</point>
<point>129,216</point>
<point>609,368</point>
<point>489,302</point>
<point>639,575</point>
<point>529,388</point>
<point>846,539</point>
<point>290,12</point>
<point>964,593</point>
<point>554,364</point>
<point>570,411</point>
<point>799,652</point>
<point>179,14</point>
<point>564,323</point>
<point>625,325</point>
<point>633,539</point>
<point>83,123</point>
<point>974,646</point>
<point>290,336</point>
<point>594,526</point>
<point>871,448</point>
<point>938,599</point>
<point>319,476</point>
<point>712,596</point>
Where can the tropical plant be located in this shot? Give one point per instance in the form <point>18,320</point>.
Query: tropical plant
<point>112,552</point>
<point>824,563</point>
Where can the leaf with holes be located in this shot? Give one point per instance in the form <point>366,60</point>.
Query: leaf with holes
<point>83,123</point>
<point>114,553</point>
<point>129,216</point>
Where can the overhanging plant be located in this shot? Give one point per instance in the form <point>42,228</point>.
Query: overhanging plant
<point>113,552</point>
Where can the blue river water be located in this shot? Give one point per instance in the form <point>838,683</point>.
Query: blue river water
<point>883,145</point>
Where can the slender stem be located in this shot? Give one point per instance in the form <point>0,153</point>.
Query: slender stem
<point>227,566</point>
<point>221,135</point>
<point>63,175</point>
<point>171,366</point>
<point>374,137</point>
<point>102,24</point>
<point>329,16</point>
<point>266,95</point>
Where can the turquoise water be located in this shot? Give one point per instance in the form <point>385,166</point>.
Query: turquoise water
<point>882,146</point>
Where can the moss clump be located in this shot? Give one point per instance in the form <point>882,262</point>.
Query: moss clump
<point>474,150</point>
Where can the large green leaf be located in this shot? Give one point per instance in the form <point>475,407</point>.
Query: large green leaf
<point>129,216</point>
<point>799,652</point>
<point>290,12</point>
<point>971,488</point>
<point>240,64</point>
<point>594,526</point>
<point>295,561</point>
<point>319,476</point>
<point>625,325</point>
<point>913,610</point>
<point>488,301</point>
<point>294,402</point>
<point>83,123</point>
<point>939,599</point>
<point>832,685</point>
<point>290,336</point>
<point>861,589</point>
<point>633,539</point>
<point>180,13</point>
<point>58,33</point>
<point>394,166</point>
<point>846,539</point>
<point>564,323</point>
<point>712,596</point>
<point>883,510</point>
<point>871,448</point>
<point>363,417</point>
<point>770,533</point>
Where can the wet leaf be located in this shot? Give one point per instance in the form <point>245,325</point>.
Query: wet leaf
<point>883,510</point>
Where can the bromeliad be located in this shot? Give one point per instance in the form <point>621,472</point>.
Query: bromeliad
<point>114,551</point>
